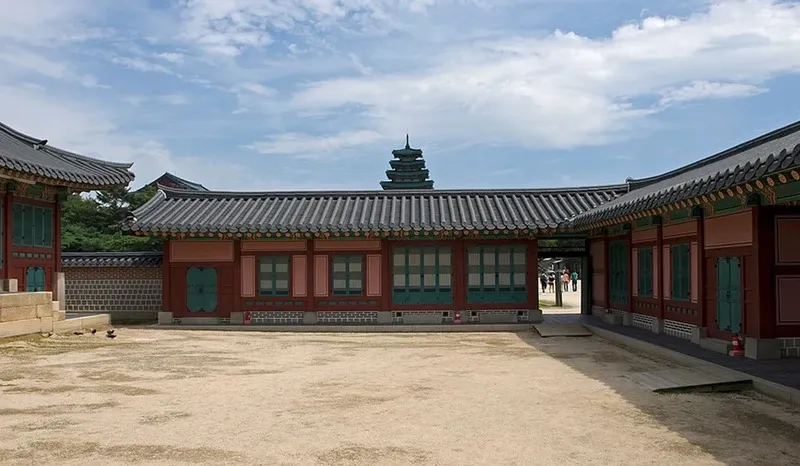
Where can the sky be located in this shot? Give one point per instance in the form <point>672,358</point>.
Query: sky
<point>314,94</point>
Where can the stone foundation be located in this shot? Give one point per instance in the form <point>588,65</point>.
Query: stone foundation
<point>128,294</point>
<point>789,347</point>
<point>27,313</point>
<point>347,317</point>
<point>276,317</point>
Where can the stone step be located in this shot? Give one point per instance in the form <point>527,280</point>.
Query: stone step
<point>716,344</point>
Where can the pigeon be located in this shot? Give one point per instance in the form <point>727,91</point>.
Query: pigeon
<point>111,335</point>
<point>110,332</point>
<point>94,330</point>
<point>76,332</point>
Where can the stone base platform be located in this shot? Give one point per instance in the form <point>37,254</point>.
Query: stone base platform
<point>389,328</point>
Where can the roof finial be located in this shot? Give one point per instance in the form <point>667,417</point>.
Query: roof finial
<point>407,145</point>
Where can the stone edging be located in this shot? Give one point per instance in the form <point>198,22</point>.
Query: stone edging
<point>766,387</point>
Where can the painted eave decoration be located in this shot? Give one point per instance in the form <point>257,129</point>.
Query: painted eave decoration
<point>753,167</point>
<point>406,214</point>
<point>29,158</point>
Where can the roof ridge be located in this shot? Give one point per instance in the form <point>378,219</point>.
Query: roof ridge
<point>170,192</point>
<point>32,140</point>
<point>183,180</point>
<point>111,253</point>
<point>637,183</point>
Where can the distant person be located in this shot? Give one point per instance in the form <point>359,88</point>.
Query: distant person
<point>551,282</point>
<point>543,280</point>
<point>574,277</point>
<point>565,280</point>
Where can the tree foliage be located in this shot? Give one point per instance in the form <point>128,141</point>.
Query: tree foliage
<point>94,224</point>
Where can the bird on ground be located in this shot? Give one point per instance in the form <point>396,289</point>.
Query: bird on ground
<point>110,332</point>
<point>111,335</point>
<point>77,333</point>
<point>94,330</point>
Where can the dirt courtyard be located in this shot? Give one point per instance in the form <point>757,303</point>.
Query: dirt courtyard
<point>193,397</point>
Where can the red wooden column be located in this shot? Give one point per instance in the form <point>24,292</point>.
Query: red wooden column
<point>237,277</point>
<point>310,267</point>
<point>166,292</point>
<point>8,233</point>
<point>57,234</point>
<point>606,277</point>
<point>631,268</point>
<point>760,322</point>
<point>660,252</point>
<point>459,259</point>
<point>532,274</point>
<point>386,275</point>
<point>701,271</point>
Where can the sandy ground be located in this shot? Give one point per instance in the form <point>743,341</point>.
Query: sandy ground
<point>183,397</point>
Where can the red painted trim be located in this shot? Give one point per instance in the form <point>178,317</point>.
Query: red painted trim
<point>165,279</point>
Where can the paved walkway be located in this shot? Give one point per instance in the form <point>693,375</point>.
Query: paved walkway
<point>782,371</point>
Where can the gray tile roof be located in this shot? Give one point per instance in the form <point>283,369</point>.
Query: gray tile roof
<point>22,153</point>
<point>185,211</point>
<point>111,259</point>
<point>772,152</point>
<point>180,182</point>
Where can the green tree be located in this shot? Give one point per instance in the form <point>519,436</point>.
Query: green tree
<point>94,224</point>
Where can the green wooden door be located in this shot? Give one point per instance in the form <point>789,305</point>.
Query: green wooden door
<point>201,289</point>
<point>34,279</point>
<point>729,294</point>
<point>209,290</point>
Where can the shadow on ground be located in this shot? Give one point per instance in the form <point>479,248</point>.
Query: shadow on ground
<point>745,428</point>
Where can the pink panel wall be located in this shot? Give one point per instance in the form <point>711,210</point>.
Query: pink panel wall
<point>248,264</point>
<point>299,280</point>
<point>347,245</point>
<point>635,268</point>
<point>787,240</point>
<point>274,246</point>
<point>728,231</point>
<point>787,289</point>
<point>373,274</point>
<point>598,287</point>
<point>656,273</point>
<point>679,229</point>
<point>641,236</point>
<point>694,274</point>
<point>200,251</point>
<point>667,276</point>
<point>321,276</point>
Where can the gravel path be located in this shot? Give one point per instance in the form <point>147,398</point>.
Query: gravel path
<point>182,397</point>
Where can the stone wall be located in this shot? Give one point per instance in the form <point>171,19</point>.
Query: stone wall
<point>26,313</point>
<point>125,285</point>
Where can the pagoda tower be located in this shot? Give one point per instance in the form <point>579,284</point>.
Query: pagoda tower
<point>408,170</point>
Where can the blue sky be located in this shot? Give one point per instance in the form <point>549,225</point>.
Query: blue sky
<point>314,94</point>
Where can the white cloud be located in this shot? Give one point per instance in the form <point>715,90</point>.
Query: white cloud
<point>20,63</point>
<point>700,90</point>
<point>172,57</point>
<point>565,90</point>
<point>170,99</point>
<point>315,148</point>
<point>138,64</point>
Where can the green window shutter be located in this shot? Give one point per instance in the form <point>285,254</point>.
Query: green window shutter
<point>422,275</point>
<point>496,274</point>
<point>47,227</point>
<point>18,237</point>
<point>347,275</point>
<point>273,275</point>
<point>645,272</point>
<point>29,225</point>
<point>681,267</point>
<point>35,225</point>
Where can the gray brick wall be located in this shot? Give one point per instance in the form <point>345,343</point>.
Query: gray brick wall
<point>790,347</point>
<point>276,317</point>
<point>347,317</point>
<point>112,290</point>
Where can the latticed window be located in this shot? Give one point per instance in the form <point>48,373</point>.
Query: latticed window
<point>347,275</point>
<point>618,264</point>
<point>681,266</point>
<point>422,275</point>
<point>496,274</point>
<point>33,226</point>
<point>273,276</point>
<point>645,272</point>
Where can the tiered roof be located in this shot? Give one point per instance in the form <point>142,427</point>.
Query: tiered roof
<point>174,181</point>
<point>175,211</point>
<point>24,156</point>
<point>112,259</point>
<point>408,170</point>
